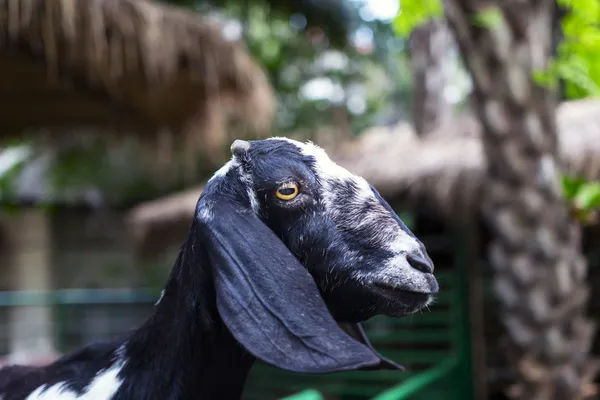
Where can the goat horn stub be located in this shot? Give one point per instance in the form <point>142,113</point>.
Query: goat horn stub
<point>239,147</point>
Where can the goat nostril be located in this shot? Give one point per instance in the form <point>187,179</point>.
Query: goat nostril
<point>420,263</point>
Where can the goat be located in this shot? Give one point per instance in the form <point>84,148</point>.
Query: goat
<point>285,245</point>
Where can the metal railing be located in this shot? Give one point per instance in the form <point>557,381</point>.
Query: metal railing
<point>24,298</point>
<point>402,391</point>
<point>73,317</point>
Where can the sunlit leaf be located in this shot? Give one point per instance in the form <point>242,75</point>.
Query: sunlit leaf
<point>578,62</point>
<point>588,196</point>
<point>571,185</point>
<point>414,13</point>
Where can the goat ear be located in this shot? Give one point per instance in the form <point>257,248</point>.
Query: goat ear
<point>269,301</point>
<point>357,332</point>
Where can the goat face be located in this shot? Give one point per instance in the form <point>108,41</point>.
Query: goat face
<point>361,255</point>
<point>281,208</point>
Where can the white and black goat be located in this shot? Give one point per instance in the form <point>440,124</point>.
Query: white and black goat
<point>285,245</point>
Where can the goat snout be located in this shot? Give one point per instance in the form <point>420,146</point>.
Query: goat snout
<point>420,262</point>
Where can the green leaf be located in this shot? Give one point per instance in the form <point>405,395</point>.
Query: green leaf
<point>575,71</point>
<point>19,155</point>
<point>414,13</point>
<point>489,18</point>
<point>578,59</point>
<point>546,78</point>
<point>571,186</point>
<point>588,196</point>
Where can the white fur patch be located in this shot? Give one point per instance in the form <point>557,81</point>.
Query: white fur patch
<point>248,182</point>
<point>57,391</point>
<point>205,212</point>
<point>102,387</point>
<point>223,170</point>
<point>325,165</point>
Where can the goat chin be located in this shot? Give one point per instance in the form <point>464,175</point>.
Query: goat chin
<point>285,244</point>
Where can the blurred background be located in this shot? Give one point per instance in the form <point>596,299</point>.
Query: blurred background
<point>479,123</point>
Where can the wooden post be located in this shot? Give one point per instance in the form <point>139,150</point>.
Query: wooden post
<point>29,245</point>
<point>475,308</point>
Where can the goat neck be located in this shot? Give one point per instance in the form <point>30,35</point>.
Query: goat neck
<point>184,347</point>
<point>183,351</point>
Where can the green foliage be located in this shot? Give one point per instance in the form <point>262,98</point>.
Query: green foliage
<point>583,195</point>
<point>578,60</point>
<point>8,176</point>
<point>330,16</point>
<point>578,64</point>
<point>291,55</point>
<point>571,186</point>
<point>117,173</point>
<point>588,196</point>
<point>414,13</point>
<point>578,55</point>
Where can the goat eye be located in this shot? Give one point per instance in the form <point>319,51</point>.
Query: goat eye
<point>287,191</point>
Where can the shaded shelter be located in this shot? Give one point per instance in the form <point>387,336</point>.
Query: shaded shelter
<point>133,65</point>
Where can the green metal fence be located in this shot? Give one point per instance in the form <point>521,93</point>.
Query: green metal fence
<point>77,316</point>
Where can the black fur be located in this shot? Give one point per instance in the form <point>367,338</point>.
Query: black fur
<point>75,370</point>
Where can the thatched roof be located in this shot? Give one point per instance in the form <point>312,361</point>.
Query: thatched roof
<point>130,64</point>
<point>165,214</point>
<point>445,169</point>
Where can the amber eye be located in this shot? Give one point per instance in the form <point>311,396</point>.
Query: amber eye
<point>287,191</point>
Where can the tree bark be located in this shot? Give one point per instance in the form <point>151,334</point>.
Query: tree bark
<point>540,278</point>
<point>558,13</point>
<point>428,50</point>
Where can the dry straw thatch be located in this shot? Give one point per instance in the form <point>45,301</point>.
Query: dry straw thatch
<point>168,214</point>
<point>445,170</point>
<point>137,66</point>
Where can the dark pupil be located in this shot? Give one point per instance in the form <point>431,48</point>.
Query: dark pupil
<point>287,191</point>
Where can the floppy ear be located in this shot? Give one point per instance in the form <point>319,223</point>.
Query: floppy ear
<point>269,301</point>
<point>357,332</point>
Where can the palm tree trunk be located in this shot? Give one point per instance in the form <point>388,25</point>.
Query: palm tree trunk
<point>540,276</point>
<point>429,44</point>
